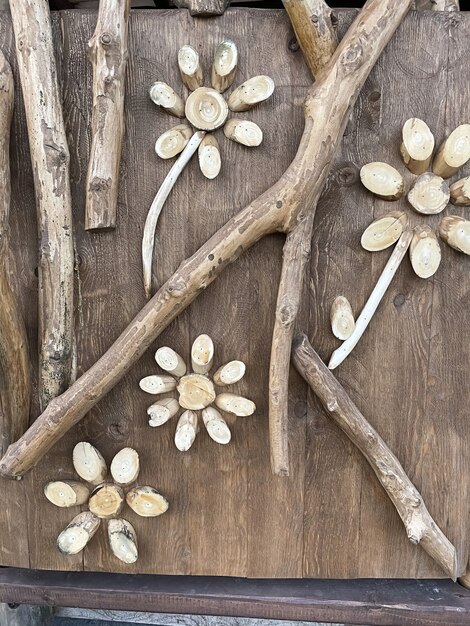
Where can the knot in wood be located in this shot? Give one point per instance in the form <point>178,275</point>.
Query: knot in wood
<point>105,39</point>
<point>293,45</point>
<point>399,300</point>
<point>351,58</point>
<point>287,314</point>
<point>348,175</point>
<point>176,286</point>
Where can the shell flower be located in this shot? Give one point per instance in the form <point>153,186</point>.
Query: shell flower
<point>429,195</point>
<point>204,111</point>
<point>104,500</point>
<point>196,392</point>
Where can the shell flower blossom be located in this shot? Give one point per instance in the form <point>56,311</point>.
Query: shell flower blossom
<point>429,195</point>
<point>104,499</point>
<point>196,392</point>
<point>204,111</point>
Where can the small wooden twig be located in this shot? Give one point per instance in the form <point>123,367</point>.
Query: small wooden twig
<point>148,240</point>
<point>108,55</point>
<point>280,208</point>
<point>50,160</point>
<point>373,302</point>
<point>315,30</point>
<point>420,526</point>
<point>15,383</point>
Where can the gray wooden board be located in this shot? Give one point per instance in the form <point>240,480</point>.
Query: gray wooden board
<point>167,619</point>
<point>228,515</point>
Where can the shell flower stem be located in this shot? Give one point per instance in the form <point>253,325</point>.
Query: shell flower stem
<point>148,240</point>
<point>373,302</point>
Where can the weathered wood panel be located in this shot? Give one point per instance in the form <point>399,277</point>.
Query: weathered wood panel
<point>228,515</point>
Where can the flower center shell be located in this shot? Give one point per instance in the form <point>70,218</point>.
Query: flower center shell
<point>195,392</point>
<point>206,109</point>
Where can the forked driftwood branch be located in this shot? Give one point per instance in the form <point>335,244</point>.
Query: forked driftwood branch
<point>280,208</point>
<point>316,33</point>
<point>420,526</point>
<point>108,55</point>
<point>50,160</point>
<point>15,384</point>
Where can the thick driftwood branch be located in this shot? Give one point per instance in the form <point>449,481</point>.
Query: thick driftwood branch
<point>313,26</point>
<point>202,8</point>
<point>108,55</point>
<point>15,384</point>
<point>280,208</point>
<point>50,160</point>
<point>420,526</point>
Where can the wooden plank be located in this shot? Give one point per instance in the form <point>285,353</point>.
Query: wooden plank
<point>373,602</point>
<point>447,432</point>
<point>413,57</point>
<point>14,548</point>
<point>24,615</point>
<point>369,540</point>
<point>333,466</point>
<point>167,619</point>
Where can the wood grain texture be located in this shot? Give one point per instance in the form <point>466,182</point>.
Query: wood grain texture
<point>243,520</point>
<point>167,619</point>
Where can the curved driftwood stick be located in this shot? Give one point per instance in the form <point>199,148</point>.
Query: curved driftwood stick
<point>148,240</point>
<point>108,55</point>
<point>50,160</point>
<point>313,26</point>
<point>374,300</point>
<point>420,526</point>
<point>280,208</point>
<point>15,384</point>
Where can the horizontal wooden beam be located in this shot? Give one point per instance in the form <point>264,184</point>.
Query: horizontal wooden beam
<point>376,602</point>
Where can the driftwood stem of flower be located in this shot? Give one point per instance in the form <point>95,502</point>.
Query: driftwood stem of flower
<point>313,26</point>
<point>50,160</point>
<point>15,385</point>
<point>420,526</point>
<point>108,55</point>
<point>374,300</point>
<point>148,240</point>
<point>280,208</point>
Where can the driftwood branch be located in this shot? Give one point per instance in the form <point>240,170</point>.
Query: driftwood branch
<point>313,26</point>
<point>280,208</point>
<point>420,526</point>
<point>108,55</point>
<point>15,384</point>
<point>50,160</point>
